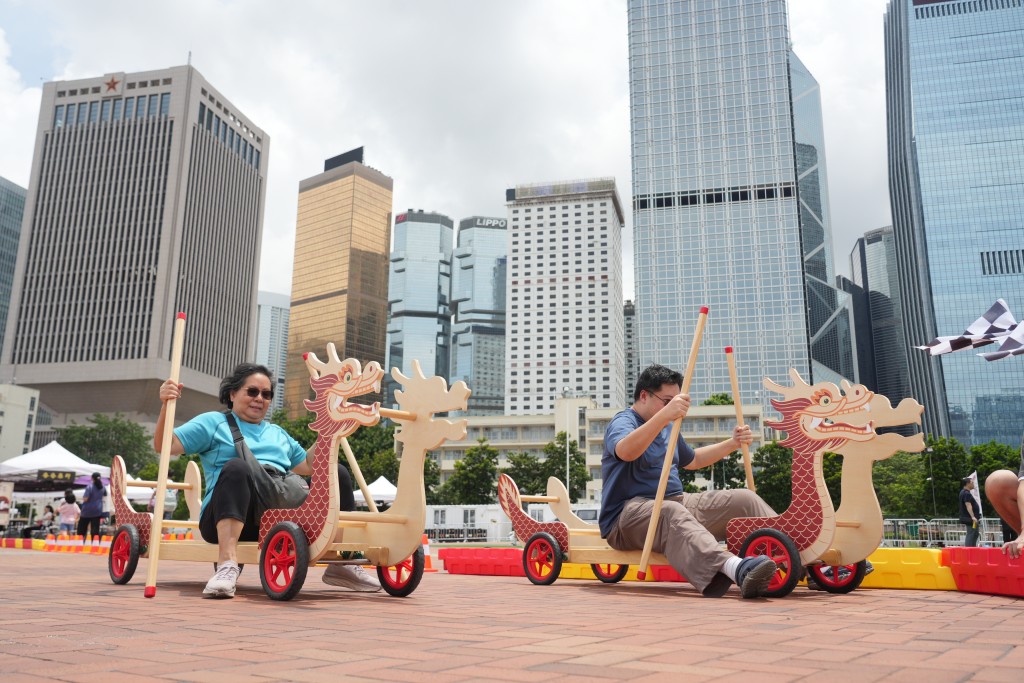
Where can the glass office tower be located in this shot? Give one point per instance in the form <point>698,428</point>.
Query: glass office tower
<point>480,261</point>
<point>340,273</point>
<point>875,270</point>
<point>419,290</point>
<point>954,82</point>
<point>12,210</point>
<point>719,147</point>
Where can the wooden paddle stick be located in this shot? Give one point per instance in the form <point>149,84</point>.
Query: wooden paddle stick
<point>156,529</point>
<point>670,454</point>
<point>739,416</point>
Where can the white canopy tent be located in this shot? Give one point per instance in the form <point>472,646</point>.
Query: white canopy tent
<point>52,456</point>
<point>382,491</point>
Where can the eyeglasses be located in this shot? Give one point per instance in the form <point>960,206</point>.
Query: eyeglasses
<point>253,392</point>
<point>664,401</point>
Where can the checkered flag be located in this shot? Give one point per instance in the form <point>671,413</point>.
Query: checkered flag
<point>1013,345</point>
<point>995,326</point>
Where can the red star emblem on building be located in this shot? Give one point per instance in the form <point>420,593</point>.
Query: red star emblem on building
<point>112,84</point>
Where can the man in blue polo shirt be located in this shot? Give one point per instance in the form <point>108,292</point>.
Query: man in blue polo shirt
<point>690,526</point>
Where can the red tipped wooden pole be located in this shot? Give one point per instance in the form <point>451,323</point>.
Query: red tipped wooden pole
<point>666,469</point>
<point>739,416</point>
<point>155,531</point>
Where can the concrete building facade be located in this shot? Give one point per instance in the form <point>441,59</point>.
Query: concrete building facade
<point>565,327</point>
<point>145,199</point>
<point>18,408</point>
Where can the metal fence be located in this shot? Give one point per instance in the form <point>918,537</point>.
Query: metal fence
<point>937,533</point>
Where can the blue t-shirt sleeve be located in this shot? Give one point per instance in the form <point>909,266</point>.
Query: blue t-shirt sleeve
<point>196,435</point>
<point>619,428</point>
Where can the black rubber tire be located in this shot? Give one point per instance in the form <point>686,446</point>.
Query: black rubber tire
<point>835,585</point>
<point>542,553</point>
<point>123,556</point>
<point>284,560</point>
<point>401,580</point>
<point>781,548</point>
<point>609,577</point>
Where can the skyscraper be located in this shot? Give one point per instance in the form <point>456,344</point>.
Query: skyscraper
<point>272,339</point>
<point>875,271</point>
<point>565,329</point>
<point>419,291</point>
<point>629,344</point>
<point>12,211</point>
<point>730,203</point>
<point>145,198</point>
<point>340,276</point>
<point>479,270</point>
<point>953,83</point>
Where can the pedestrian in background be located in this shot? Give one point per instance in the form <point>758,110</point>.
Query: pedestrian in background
<point>68,512</point>
<point>970,512</point>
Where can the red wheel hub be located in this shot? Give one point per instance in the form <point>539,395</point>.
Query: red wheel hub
<point>279,564</point>
<point>398,575</point>
<point>541,558</point>
<point>770,547</point>
<point>120,553</point>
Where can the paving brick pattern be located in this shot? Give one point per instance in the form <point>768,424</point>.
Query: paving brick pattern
<point>62,619</point>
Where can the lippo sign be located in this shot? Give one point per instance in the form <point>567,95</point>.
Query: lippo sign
<point>490,223</point>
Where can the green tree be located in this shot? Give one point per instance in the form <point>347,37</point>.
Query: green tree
<point>722,399</point>
<point>475,480</point>
<point>900,483</point>
<point>949,464</point>
<point>727,473</point>
<point>528,472</point>
<point>106,437</point>
<point>988,457</point>
<point>773,464</point>
<point>554,466</point>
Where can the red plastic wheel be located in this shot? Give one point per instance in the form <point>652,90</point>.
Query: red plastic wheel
<point>841,579</point>
<point>123,557</point>
<point>284,560</point>
<point>609,573</point>
<point>402,579</point>
<point>781,548</point>
<point>542,559</point>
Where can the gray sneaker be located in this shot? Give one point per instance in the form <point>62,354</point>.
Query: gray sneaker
<point>351,576</point>
<point>754,575</point>
<point>222,584</point>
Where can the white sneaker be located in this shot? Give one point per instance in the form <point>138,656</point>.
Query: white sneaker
<point>222,584</point>
<point>351,576</point>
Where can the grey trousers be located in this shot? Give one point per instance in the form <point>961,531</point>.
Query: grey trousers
<point>689,529</point>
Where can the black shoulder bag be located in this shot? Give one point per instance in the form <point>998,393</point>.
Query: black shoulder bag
<point>274,489</point>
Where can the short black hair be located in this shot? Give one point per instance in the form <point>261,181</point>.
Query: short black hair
<point>963,482</point>
<point>236,380</point>
<point>654,377</point>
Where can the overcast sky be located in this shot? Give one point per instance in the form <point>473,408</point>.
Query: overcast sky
<point>456,100</point>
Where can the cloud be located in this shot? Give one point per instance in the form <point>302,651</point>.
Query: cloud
<point>19,114</point>
<point>455,100</point>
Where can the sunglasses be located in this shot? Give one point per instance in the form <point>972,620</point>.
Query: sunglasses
<point>253,392</point>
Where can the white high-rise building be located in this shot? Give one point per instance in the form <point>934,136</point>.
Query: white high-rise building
<point>145,199</point>
<point>272,339</point>
<point>565,327</point>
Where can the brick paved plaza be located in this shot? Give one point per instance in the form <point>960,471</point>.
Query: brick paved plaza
<point>62,619</point>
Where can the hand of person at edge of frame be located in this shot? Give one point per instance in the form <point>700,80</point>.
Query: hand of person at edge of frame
<point>678,407</point>
<point>1014,548</point>
<point>170,390</point>
<point>742,435</point>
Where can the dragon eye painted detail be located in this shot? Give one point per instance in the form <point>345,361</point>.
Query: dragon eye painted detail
<point>822,398</point>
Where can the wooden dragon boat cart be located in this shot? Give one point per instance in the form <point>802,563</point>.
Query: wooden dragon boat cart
<point>290,540</point>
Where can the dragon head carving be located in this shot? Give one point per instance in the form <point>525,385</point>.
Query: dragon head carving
<point>822,415</point>
<point>334,383</point>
